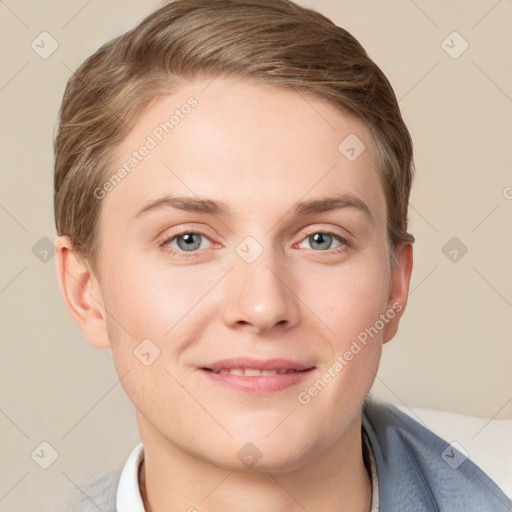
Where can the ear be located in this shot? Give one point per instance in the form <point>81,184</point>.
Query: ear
<point>399,289</point>
<point>81,292</point>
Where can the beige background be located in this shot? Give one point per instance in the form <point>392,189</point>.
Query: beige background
<point>454,349</point>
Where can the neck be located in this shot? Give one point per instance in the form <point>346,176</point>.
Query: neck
<point>334,480</point>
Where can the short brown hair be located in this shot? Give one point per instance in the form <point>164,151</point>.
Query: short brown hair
<point>271,41</point>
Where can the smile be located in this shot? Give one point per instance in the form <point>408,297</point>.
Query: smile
<point>259,382</point>
<point>253,372</point>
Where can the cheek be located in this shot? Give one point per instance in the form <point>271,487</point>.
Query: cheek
<point>159,311</point>
<point>347,299</point>
<point>150,302</point>
<point>350,307</point>
<point>152,317</point>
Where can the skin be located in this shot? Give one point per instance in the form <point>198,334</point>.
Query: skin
<point>259,150</point>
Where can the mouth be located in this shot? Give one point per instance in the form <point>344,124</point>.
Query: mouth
<point>252,372</point>
<point>257,376</point>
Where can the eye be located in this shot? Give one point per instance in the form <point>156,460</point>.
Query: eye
<point>322,241</point>
<point>188,242</point>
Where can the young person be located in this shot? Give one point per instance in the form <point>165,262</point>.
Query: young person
<point>231,190</point>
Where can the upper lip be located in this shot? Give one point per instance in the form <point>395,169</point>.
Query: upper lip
<point>257,364</point>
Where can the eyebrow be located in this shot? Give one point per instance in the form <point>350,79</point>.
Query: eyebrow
<point>211,207</point>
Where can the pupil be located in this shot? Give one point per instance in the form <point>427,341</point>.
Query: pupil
<point>323,239</point>
<point>187,242</point>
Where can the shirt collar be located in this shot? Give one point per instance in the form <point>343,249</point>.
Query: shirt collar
<point>128,492</point>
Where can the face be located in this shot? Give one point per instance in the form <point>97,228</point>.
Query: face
<point>245,270</point>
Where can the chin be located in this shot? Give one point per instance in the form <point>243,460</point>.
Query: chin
<point>260,452</point>
<point>264,462</point>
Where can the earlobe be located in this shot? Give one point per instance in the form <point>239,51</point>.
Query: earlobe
<point>81,293</point>
<point>399,288</point>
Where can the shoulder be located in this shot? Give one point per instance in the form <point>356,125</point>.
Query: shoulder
<point>90,492</point>
<point>418,470</point>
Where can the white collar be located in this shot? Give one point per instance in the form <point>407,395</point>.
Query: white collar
<point>128,492</point>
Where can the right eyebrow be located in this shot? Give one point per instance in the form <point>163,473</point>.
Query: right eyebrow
<point>189,204</point>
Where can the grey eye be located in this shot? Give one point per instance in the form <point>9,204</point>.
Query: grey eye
<point>189,241</point>
<point>322,241</point>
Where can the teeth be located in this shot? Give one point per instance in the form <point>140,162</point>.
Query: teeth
<point>249,372</point>
<point>252,372</point>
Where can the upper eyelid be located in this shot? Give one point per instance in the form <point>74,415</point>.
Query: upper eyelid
<point>169,239</point>
<point>325,231</point>
<point>342,239</point>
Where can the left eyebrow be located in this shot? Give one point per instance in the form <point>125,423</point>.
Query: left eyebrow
<point>211,207</point>
<point>328,204</point>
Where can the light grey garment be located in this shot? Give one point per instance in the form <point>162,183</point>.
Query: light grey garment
<point>96,492</point>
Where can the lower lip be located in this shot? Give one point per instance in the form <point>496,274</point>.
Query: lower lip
<point>261,384</point>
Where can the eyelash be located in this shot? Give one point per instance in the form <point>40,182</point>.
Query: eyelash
<point>344,243</point>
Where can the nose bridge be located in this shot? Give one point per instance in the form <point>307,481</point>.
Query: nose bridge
<point>258,292</point>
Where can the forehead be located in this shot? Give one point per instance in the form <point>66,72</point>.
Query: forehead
<point>255,147</point>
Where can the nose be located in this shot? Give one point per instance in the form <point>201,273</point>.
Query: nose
<point>260,296</point>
